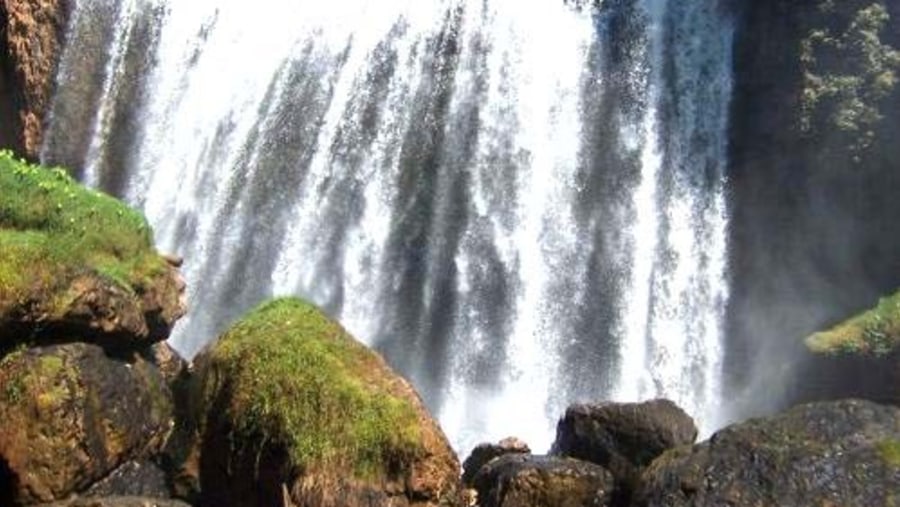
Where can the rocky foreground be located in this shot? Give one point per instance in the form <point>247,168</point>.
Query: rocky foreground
<point>286,408</point>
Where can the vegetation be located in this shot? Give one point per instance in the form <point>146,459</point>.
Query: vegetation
<point>52,228</point>
<point>296,379</point>
<point>890,452</point>
<point>45,381</point>
<point>848,72</point>
<point>875,332</point>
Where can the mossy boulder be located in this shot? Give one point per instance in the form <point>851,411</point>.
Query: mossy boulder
<point>523,480</point>
<point>70,415</point>
<point>288,405</point>
<point>836,453</point>
<point>78,263</point>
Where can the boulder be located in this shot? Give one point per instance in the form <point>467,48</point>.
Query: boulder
<point>484,453</point>
<point>836,453</point>
<point>291,410</point>
<point>623,437</point>
<point>78,263</point>
<point>523,480</point>
<point>70,415</point>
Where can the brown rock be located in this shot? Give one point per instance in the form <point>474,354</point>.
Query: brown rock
<point>70,415</point>
<point>95,309</point>
<point>33,33</point>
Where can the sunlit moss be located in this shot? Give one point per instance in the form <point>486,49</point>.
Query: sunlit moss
<point>52,228</point>
<point>298,380</point>
<point>875,332</point>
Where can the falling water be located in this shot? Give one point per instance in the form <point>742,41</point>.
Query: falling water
<point>520,204</point>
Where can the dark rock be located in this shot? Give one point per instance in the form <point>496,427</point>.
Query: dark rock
<point>70,415</point>
<point>838,453</point>
<point>484,453</point>
<point>140,478</point>
<point>623,437</point>
<point>521,480</point>
<point>119,501</point>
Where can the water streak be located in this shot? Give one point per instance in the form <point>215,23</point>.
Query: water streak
<point>521,206</point>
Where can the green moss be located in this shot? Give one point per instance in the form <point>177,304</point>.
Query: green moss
<point>890,452</point>
<point>875,332</point>
<point>296,378</point>
<point>42,380</point>
<point>51,228</point>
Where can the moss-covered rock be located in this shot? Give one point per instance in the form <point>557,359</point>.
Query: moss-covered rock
<point>78,263</point>
<point>874,333</point>
<point>837,453</point>
<point>289,405</point>
<point>70,415</point>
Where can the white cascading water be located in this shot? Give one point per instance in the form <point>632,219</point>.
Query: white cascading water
<point>522,205</point>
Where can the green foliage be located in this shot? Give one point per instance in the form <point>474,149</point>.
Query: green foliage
<point>297,379</point>
<point>875,332</point>
<point>52,227</point>
<point>848,71</point>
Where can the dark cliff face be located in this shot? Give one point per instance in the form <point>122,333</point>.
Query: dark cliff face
<point>814,180</point>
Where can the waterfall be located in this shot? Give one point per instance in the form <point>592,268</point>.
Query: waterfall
<point>521,205</point>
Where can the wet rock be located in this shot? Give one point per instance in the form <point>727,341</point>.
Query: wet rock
<point>70,415</point>
<point>484,453</point>
<point>623,437</point>
<point>521,480</point>
<point>837,453</point>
